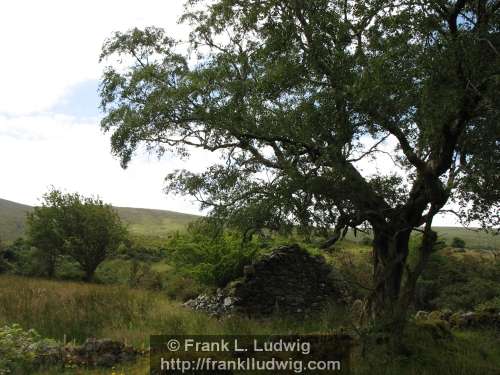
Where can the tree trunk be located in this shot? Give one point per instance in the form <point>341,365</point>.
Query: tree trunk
<point>390,251</point>
<point>51,269</point>
<point>50,265</point>
<point>89,274</point>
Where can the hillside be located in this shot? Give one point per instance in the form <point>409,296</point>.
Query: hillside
<point>154,222</point>
<point>473,238</point>
<point>160,223</point>
<point>139,220</point>
<point>12,219</point>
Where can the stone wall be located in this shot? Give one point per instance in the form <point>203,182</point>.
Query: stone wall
<point>287,281</point>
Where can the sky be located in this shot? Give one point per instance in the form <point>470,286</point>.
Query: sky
<point>49,117</point>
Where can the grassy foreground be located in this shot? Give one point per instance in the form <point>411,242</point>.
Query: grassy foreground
<point>77,311</point>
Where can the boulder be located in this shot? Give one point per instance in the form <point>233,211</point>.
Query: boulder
<point>435,315</point>
<point>421,315</point>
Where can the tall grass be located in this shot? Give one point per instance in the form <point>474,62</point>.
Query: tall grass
<point>467,353</point>
<point>78,311</point>
<point>74,310</point>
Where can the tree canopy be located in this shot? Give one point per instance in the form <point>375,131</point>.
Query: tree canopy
<point>296,95</point>
<point>84,228</point>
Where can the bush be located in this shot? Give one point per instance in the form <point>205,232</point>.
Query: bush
<point>457,283</point>
<point>140,253</point>
<point>142,276</point>
<point>180,287</point>
<point>18,349</point>
<point>355,271</point>
<point>4,265</point>
<point>212,261</point>
<point>458,243</point>
<point>21,259</point>
<point>491,306</point>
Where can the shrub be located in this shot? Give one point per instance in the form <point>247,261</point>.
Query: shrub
<point>212,261</point>
<point>142,276</point>
<point>4,265</point>
<point>458,243</point>
<point>457,283</point>
<point>22,259</point>
<point>491,306</point>
<point>142,248</point>
<point>354,271</point>
<point>180,287</point>
<point>18,349</point>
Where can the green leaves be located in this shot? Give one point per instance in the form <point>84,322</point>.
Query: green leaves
<point>289,89</point>
<point>19,349</point>
<point>83,227</point>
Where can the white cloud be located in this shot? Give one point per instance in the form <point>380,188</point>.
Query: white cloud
<point>43,150</point>
<point>49,46</point>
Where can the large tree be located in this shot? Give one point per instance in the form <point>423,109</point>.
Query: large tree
<point>296,95</point>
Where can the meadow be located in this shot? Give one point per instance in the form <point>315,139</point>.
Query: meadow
<point>60,309</point>
<point>140,290</point>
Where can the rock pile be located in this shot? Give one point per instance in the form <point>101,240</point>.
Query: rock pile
<point>217,304</point>
<point>93,352</point>
<point>102,352</point>
<point>289,280</point>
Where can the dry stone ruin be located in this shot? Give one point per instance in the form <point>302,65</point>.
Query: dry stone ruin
<point>287,281</point>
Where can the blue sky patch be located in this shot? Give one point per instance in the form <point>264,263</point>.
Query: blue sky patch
<point>82,101</point>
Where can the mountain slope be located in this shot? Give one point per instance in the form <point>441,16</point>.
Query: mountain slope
<point>151,222</point>
<point>160,223</point>
<point>12,219</point>
<point>139,220</point>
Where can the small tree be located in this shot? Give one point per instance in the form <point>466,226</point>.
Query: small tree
<point>458,243</point>
<point>84,228</point>
<point>44,230</point>
<point>94,232</point>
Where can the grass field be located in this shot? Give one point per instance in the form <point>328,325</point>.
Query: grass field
<point>473,238</point>
<point>76,311</point>
<point>156,223</point>
<point>80,310</point>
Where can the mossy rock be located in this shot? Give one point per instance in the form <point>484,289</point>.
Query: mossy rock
<point>435,315</point>
<point>457,320</point>
<point>421,315</point>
